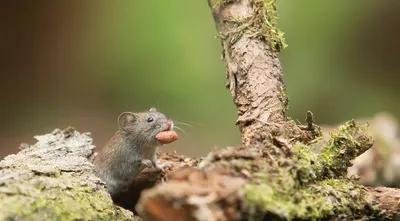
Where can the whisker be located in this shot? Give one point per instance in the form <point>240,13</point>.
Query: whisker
<point>178,122</point>
<point>180,129</point>
<point>192,122</point>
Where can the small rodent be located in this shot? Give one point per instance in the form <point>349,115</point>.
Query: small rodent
<point>132,148</point>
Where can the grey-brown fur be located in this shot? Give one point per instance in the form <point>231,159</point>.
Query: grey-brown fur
<point>132,148</point>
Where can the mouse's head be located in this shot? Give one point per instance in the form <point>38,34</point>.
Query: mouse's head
<point>143,127</point>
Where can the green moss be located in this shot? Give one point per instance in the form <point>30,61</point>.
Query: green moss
<point>263,24</point>
<point>268,15</point>
<point>58,202</point>
<point>313,202</point>
<point>344,145</point>
<point>308,166</point>
<point>348,142</point>
<point>312,186</point>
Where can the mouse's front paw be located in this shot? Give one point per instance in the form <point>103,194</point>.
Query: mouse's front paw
<point>147,163</point>
<point>162,166</point>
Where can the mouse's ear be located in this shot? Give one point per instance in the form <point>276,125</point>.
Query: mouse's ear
<point>125,119</point>
<point>153,109</point>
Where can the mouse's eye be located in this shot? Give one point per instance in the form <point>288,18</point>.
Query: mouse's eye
<point>150,119</point>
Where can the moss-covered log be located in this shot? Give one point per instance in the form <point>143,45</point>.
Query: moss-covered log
<point>275,181</point>
<point>53,180</point>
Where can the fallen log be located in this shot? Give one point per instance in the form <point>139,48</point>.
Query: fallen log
<point>53,180</point>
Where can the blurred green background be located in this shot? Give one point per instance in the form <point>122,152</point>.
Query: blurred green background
<point>81,63</point>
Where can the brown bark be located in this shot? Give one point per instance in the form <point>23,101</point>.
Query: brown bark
<point>206,194</point>
<point>255,81</point>
<point>253,70</point>
<point>388,200</point>
<point>45,179</point>
<point>53,180</point>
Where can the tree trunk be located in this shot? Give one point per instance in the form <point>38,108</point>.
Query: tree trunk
<point>253,70</point>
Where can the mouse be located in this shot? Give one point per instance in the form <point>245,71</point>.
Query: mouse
<point>133,148</point>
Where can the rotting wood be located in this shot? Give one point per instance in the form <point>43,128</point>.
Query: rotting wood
<point>280,176</point>
<point>53,180</point>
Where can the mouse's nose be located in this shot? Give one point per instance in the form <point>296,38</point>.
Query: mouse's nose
<point>170,124</point>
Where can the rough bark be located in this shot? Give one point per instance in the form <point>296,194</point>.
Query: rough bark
<point>274,175</point>
<point>388,200</point>
<point>53,180</point>
<point>253,70</point>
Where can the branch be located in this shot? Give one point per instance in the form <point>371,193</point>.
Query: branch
<point>274,174</point>
<point>253,70</point>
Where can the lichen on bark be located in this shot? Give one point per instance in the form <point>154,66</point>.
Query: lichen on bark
<point>262,23</point>
<point>249,37</point>
<point>274,181</point>
<point>53,180</point>
<point>290,181</point>
<point>313,186</point>
<point>279,174</point>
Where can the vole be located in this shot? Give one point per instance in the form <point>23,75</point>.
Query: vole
<point>132,148</point>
